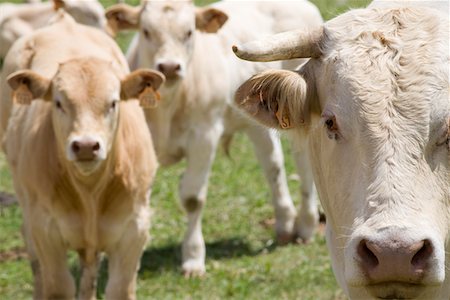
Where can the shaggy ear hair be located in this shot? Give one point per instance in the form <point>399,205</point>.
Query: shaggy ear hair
<point>143,84</point>
<point>27,86</point>
<point>122,17</point>
<point>209,20</point>
<point>275,98</point>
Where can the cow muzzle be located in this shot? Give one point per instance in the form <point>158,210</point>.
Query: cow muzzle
<point>86,149</point>
<point>172,70</point>
<point>395,262</point>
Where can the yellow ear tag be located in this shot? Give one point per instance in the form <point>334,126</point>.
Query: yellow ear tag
<point>284,120</point>
<point>149,98</point>
<point>22,95</point>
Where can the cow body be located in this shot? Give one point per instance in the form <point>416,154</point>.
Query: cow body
<point>82,162</point>
<point>17,20</point>
<point>201,78</point>
<point>374,103</point>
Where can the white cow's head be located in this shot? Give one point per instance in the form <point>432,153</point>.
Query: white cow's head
<point>84,96</point>
<point>167,31</point>
<point>374,102</point>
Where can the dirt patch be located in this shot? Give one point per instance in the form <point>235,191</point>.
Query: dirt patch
<point>13,254</point>
<point>7,199</point>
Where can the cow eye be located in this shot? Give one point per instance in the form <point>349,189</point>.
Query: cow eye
<point>188,35</point>
<point>146,34</point>
<point>445,139</point>
<point>332,127</point>
<point>114,105</point>
<point>59,105</point>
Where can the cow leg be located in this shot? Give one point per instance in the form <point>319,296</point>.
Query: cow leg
<point>193,189</point>
<point>57,281</point>
<point>34,263</point>
<point>124,259</point>
<point>308,216</point>
<point>88,282</point>
<point>268,150</point>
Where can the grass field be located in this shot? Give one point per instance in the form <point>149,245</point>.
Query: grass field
<point>242,260</point>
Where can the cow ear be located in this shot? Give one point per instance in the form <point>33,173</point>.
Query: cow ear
<point>209,20</point>
<point>122,17</point>
<point>143,84</point>
<point>57,4</point>
<point>27,86</point>
<point>275,98</point>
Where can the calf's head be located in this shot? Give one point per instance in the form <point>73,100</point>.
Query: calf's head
<point>85,97</point>
<point>374,103</point>
<point>167,31</point>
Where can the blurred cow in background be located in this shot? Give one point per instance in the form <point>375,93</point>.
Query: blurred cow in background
<point>374,102</point>
<point>191,47</point>
<point>17,20</point>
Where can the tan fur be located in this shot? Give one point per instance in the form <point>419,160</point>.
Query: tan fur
<point>105,210</point>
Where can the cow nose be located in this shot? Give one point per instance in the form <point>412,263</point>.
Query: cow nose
<point>170,69</point>
<point>85,150</point>
<point>395,260</point>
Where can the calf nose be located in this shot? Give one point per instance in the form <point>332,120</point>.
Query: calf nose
<point>86,149</point>
<point>395,260</point>
<point>169,69</point>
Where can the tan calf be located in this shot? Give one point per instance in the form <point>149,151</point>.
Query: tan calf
<point>81,156</point>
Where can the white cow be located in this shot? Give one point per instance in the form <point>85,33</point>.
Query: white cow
<point>17,20</point>
<point>374,103</point>
<point>202,75</point>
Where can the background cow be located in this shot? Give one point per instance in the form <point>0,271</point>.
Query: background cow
<point>82,160</point>
<point>17,20</point>
<point>374,103</point>
<point>202,75</point>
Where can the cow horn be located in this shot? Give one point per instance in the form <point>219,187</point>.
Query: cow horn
<point>281,46</point>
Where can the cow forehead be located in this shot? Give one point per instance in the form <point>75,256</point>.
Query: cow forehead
<point>394,63</point>
<point>168,14</point>
<point>88,82</point>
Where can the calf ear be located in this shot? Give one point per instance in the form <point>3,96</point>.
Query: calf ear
<point>28,85</point>
<point>209,20</point>
<point>275,98</point>
<point>122,17</point>
<point>143,84</point>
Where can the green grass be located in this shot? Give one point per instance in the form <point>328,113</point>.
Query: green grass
<point>242,260</point>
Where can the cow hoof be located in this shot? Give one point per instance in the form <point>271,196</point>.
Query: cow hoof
<point>284,238</point>
<point>193,269</point>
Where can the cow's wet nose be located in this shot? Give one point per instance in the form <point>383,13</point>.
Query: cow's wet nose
<point>395,260</point>
<point>85,149</point>
<point>170,69</point>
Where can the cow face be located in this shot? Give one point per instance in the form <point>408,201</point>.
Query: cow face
<point>85,97</point>
<point>167,31</point>
<point>374,102</point>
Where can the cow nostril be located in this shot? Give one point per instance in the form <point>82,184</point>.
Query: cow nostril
<point>368,258</point>
<point>160,68</point>
<point>75,147</point>
<point>422,256</point>
<point>178,67</point>
<point>96,147</point>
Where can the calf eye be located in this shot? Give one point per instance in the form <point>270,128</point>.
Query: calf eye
<point>445,139</point>
<point>114,105</point>
<point>59,105</point>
